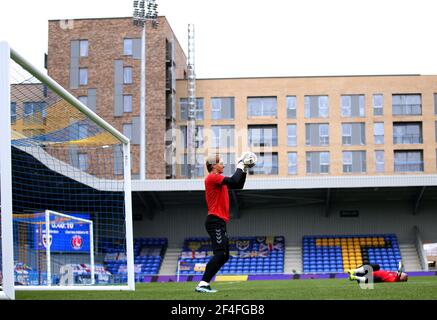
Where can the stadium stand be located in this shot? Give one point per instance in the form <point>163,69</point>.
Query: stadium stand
<point>334,253</point>
<point>249,255</point>
<point>148,256</point>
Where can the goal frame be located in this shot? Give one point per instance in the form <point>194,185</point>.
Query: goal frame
<point>8,288</point>
<point>48,252</point>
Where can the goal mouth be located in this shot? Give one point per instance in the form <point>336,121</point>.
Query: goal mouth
<point>65,187</point>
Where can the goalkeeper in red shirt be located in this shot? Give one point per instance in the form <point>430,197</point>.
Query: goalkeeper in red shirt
<point>379,275</point>
<point>217,200</point>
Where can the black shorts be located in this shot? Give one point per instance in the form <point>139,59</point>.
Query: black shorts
<point>216,229</point>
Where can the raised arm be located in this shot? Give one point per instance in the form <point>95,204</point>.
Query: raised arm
<point>237,180</point>
<point>246,161</point>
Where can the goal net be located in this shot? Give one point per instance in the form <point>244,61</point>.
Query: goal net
<point>65,187</point>
<point>62,249</point>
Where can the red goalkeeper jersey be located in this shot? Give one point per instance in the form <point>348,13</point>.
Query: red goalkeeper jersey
<point>385,276</point>
<point>217,197</point>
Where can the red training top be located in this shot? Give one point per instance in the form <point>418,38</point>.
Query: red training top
<point>386,276</point>
<point>217,197</point>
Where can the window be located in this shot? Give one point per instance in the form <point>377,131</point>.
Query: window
<point>352,106</point>
<point>263,135</point>
<point>324,134</point>
<point>267,164</point>
<point>378,109</point>
<point>183,104</point>
<point>184,136</point>
<point>408,161</point>
<point>262,106</point>
<point>83,161</point>
<point>28,109</point>
<point>13,112</point>
<point>223,137</point>
<point>199,166</point>
<point>408,104</point>
<point>353,134</point>
<point>346,133</point>
<point>82,130</point>
<point>184,165</point>
<point>316,107</point>
<point>127,75</point>
<point>317,134</point>
<point>83,100</point>
<point>34,112</point>
<point>127,130</point>
<point>292,163</point>
<point>83,76</point>
<point>83,48</point>
<point>434,130</point>
<point>291,135</point>
<point>127,103</point>
<point>378,132</point>
<point>354,162</point>
<point>317,162</point>
<point>435,103</point>
<point>199,169</point>
<point>347,161</point>
<point>222,108</point>
<point>324,162</point>
<point>229,162</point>
<point>199,137</point>
<point>291,107</point>
<point>379,161</point>
<point>407,133</point>
<point>118,160</point>
<point>346,108</point>
<point>128,47</point>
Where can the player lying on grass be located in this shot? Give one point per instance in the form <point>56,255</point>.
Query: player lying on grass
<point>379,275</point>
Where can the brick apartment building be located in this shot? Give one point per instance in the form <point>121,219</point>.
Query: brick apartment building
<point>306,126</point>
<point>99,62</point>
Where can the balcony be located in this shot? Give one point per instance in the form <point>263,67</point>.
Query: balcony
<point>416,166</point>
<point>407,109</point>
<point>407,139</point>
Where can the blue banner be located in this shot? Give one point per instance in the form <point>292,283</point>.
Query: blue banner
<point>66,235</point>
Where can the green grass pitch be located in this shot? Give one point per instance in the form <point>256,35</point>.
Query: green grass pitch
<point>421,288</point>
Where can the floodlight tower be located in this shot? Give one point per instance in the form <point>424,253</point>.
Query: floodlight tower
<point>140,18</point>
<point>191,125</point>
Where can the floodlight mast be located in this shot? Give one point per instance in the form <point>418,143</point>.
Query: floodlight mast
<point>140,18</point>
<point>192,105</point>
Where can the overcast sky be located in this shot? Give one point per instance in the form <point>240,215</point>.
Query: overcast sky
<point>252,38</point>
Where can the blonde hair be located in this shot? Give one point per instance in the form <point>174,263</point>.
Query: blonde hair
<point>212,160</point>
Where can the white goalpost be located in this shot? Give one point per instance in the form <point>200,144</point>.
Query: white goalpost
<point>6,259</point>
<point>65,178</point>
<point>48,224</point>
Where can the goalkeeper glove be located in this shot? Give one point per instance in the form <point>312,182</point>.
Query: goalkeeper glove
<point>242,166</point>
<point>245,162</point>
